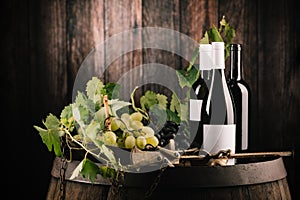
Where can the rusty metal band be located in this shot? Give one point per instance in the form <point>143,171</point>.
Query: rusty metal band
<point>216,176</point>
<point>194,176</point>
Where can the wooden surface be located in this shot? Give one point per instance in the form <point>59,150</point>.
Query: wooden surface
<point>44,43</point>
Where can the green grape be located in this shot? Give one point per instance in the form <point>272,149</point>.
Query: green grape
<point>136,125</point>
<point>147,131</point>
<point>136,116</point>
<point>136,133</point>
<point>141,142</point>
<point>129,142</point>
<point>115,124</point>
<point>126,133</point>
<point>124,122</point>
<point>125,116</point>
<point>152,140</point>
<point>110,138</point>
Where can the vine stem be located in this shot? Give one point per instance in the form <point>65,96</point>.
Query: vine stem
<point>87,150</point>
<point>108,120</point>
<point>144,113</point>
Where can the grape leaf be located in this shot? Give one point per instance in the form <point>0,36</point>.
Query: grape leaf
<point>175,104</point>
<point>82,100</point>
<point>172,116</point>
<point>116,104</point>
<point>205,39</point>
<point>77,170</point>
<point>214,34</point>
<point>66,117</point>
<point>81,115</point>
<point>92,129</point>
<point>184,109</point>
<point>112,90</point>
<point>229,35</point>
<point>148,100</point>
<point>67,112</point>
<point>194,57</point>
<point>51,135</point>
<point>107,172</point>
<point>108,153</point>
<point>52,122</point>
<point>187,78</point>
<point>85,107</point>
<point>158,117</point>
<point>178,107</point>
<point>100,117</point>
<point>89,170</point>
<point>162,100</point>
<point>93,89</point>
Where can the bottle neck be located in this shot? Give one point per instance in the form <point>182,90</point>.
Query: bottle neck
<point>207,74</point>
<point>236,64</point>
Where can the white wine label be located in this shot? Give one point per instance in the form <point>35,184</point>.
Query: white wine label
<point>219,137</point>
<point>195,109</point>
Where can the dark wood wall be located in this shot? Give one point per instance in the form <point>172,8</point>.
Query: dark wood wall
<point>43,44</point>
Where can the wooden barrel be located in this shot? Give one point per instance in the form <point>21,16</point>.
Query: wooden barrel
<point>256,180</point>
<point>79,188</point>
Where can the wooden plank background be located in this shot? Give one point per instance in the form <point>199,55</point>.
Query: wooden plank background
<point>44,43</point>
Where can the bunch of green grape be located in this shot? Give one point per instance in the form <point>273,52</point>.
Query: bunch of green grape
<point>128,131</point>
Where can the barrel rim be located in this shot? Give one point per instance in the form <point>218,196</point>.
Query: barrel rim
<point>193,176</point>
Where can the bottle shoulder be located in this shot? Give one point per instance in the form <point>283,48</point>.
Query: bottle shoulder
<point>199,81</point>
<point>232,83</point>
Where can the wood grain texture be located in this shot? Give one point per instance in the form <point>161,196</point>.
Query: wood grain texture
<point>196,16</point>
<point>161,14</point>
<point>48,54</point>
<point>122,16</point>
<point>278,94</point>
<point>85,30</point>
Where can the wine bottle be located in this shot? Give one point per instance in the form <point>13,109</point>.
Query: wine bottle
<point>241,94</point>
<point>218,112</point>
<point>198,93</point>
